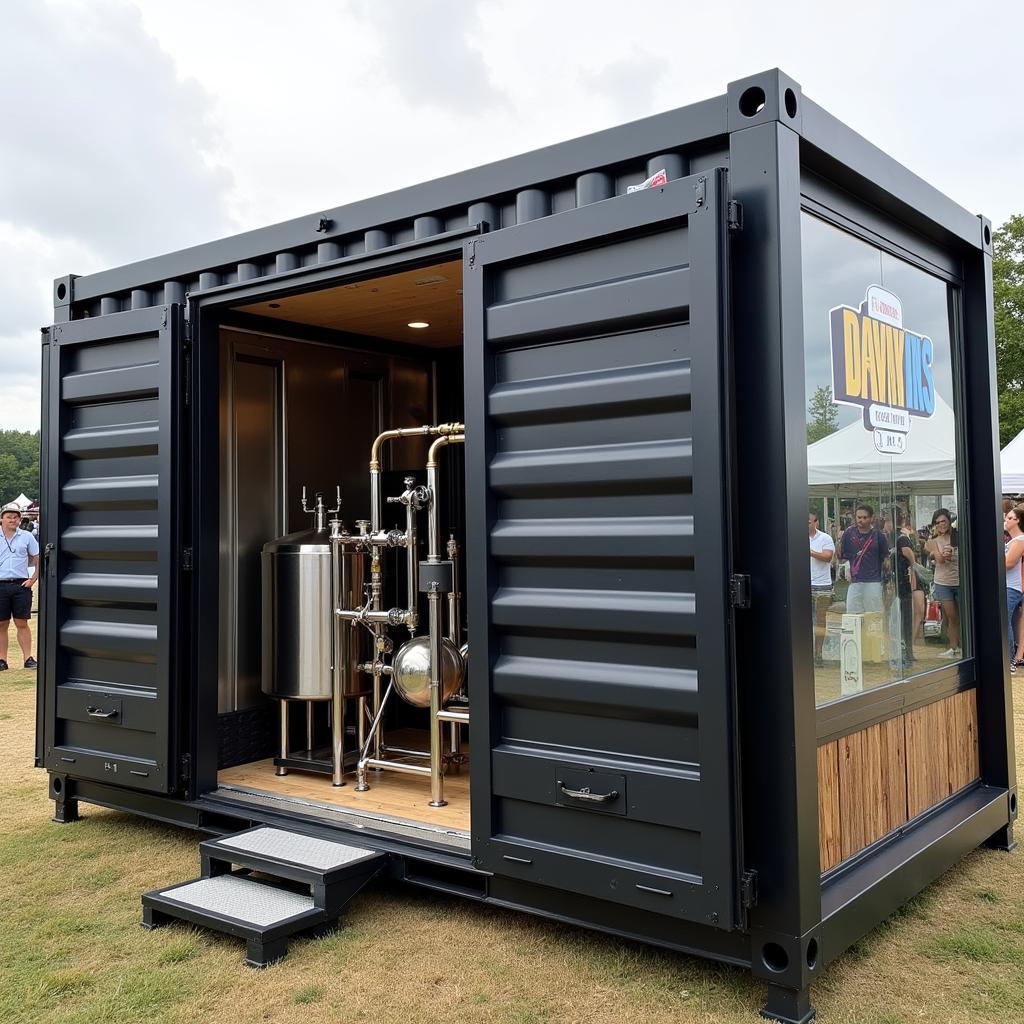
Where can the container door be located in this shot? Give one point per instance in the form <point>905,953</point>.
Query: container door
<point>111,574</point>
<point>602,731</point>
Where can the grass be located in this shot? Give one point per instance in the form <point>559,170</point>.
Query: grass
<point>71,951</point>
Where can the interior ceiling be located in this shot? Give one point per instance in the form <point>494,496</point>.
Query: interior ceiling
<point>382,307</point>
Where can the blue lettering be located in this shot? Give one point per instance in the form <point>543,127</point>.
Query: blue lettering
<point>913,371</point>
<point>928,391</point>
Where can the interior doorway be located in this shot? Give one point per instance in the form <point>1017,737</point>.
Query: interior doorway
<point>307,383</point>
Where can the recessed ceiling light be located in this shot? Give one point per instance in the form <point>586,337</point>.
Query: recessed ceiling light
<point>419,324</point>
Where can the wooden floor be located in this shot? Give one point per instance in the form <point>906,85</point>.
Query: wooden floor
<point>394,794</point>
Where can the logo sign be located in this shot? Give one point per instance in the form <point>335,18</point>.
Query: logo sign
<point>656,179</point>
<point>882,368</point>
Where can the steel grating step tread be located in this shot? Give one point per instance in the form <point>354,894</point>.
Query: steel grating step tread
<point>252,905</point>
<point>264,912</point>
<point>259,912</point>
<point>292,848</point>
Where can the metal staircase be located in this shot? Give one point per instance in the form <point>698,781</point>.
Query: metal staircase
<point>304,885</point>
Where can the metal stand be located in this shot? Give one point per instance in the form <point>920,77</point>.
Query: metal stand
<point>790,1006</point>
<point>332,760</point>
<point>281,769</point>
<point>65,811</point>
<point>1002,840</point>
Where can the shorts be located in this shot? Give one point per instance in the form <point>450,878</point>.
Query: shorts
<point>944,593</point>
<point>864,597</point>
<point>817,593</point>
<point>15,600</point>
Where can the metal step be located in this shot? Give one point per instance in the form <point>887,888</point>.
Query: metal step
<point>263,913</point>
<point>285,854</point>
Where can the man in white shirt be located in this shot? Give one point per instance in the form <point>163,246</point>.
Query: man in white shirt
<point>19,568</point>
<point>823,550</point>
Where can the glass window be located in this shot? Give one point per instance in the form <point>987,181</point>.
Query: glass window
<point>882,447</point>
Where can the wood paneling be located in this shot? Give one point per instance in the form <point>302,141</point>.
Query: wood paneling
<point>928,780</point>
<point>828,805</point>
<point>875,780</point>
<point>872,784</point>
<point>382,307</point>
<point>962,739</point>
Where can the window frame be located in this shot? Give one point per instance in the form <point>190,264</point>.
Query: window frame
<point>843,716</point>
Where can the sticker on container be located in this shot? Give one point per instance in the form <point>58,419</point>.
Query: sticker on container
<point>882,368</point>
<point>656,179</point>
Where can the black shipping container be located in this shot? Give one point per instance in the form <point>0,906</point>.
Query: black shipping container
<point>657,749</point>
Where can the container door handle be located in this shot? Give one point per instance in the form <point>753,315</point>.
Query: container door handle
<point>585,794</point>
<point>94,712</point>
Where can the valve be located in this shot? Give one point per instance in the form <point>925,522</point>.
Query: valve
<point>318,511</point>
<point>415,496</point>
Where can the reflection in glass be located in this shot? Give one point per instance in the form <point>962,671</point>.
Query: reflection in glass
<point>881,465</point>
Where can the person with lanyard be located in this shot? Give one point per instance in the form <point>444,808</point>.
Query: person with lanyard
<point>1014,551</point>
<point>865,547</point>
<point>19,551</point>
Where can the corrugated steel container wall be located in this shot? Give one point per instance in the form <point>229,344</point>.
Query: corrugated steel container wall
<point>598,439</point>
<point>134,287</point>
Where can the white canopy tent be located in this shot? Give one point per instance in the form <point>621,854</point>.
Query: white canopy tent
<point>847,460</point>
<point>1012,461</point>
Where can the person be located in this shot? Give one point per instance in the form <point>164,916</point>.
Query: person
<point>823,549</point>
<point>908,590</point>
<point>945,549</point>
<point>19,552</point>
<point>1013,551</point>
<point>867,551</point>
<point>1017,632</point>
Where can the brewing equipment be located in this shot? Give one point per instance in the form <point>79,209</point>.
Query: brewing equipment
<point>323,596</point>
<point>410,670</point>
<point>308,655</point>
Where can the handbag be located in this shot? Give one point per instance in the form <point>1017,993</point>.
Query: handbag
<point>925,576</point>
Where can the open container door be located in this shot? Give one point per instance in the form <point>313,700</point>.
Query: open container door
<point>108,656</point>
<point>603,732</point>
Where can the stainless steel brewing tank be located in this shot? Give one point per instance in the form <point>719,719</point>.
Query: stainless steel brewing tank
<point>299,621</point>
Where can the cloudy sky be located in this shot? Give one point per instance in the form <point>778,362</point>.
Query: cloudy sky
<point>128,129</point>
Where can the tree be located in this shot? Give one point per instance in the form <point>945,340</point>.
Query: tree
<point>19,464</point>
<point>1008,296</point>
<point>822,414</point>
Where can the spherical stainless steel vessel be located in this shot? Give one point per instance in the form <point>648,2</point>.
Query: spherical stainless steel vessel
<point>298,618</point>
<point>410,670</point>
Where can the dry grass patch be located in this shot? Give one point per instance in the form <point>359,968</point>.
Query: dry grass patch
<point>71,950</point>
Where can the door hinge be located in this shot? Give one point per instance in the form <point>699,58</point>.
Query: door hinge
<point>186,559</point>
<point>185,769</point>
<point>739,590</point>
<point>734,216</point>
<point>748,889</point>
<point>701,191</point>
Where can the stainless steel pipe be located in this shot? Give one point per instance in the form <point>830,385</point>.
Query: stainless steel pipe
<point>434,597</point>
<point>436,776</point>
<point>376,509</point>
<point>337,664</point>
<point>454,611</point>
